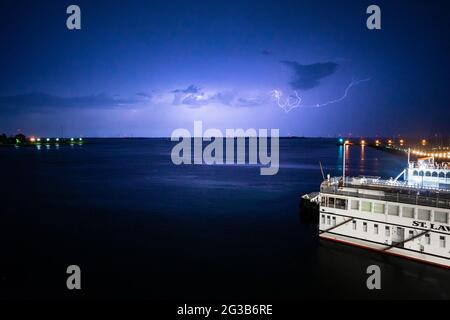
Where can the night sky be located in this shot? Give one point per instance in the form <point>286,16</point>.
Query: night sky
<point>145,68</point>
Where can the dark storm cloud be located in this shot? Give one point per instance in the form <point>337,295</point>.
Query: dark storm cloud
<point>36,102</point>
<point>144,95</point>
<point>308,76</point>
<point>191,89</point>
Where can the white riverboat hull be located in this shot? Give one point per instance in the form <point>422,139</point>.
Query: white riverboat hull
<point>380,248</point>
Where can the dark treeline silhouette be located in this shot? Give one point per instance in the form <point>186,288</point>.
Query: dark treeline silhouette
<point>18,138</point>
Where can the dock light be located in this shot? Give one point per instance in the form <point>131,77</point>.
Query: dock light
<point>57,139</point>
<point>347,142</point>
<point>48,139</point>
<point>363,142</point>
<point>72,139</point>
<point>32,139</point>
<point>389,141</point>
<point>424,142</point>
<point>38,139</point>
<point>81,139</point>
<point>402,142</point>
<point>341,140</point>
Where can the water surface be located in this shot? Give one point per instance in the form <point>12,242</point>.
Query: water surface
<point>141,227</point>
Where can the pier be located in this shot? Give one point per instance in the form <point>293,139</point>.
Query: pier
<point>417,148</point>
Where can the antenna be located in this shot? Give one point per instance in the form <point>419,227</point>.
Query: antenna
<point>409,155</point>
<point>321,170</point>
<point>343,164</point>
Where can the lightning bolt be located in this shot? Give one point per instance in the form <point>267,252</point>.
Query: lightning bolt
<point>288,104</point>
<point>295,101</point>
<point>352,84</point>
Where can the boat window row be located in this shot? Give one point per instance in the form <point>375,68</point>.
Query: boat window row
<point>330,221</point>
<point>432,174</point>
<point>404,211</point>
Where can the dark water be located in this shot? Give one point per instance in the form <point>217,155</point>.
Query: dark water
<point>140,227</point>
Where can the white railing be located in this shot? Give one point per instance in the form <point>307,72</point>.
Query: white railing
<point>394,191</point>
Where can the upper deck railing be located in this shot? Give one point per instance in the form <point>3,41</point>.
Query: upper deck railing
<point>393,191</point>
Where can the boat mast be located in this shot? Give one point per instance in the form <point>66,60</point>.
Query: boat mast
<point>343,164</point>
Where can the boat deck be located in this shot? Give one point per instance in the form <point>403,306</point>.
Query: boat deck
<point>393,191</point>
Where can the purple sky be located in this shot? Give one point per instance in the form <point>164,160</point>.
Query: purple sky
<point>145,68</point>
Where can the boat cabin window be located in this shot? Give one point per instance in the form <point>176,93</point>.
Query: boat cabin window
<point>387,231</point>
<point>378,208</point>
<point>393,210</point>
<point>365,226</point>
<point>334,221</point>
<point>341,204</point>
<point>427,238</point>
<point>408,212</point>
<point>354,225</point>
<point>355,204</point>
<point>323,219</point>
<point>424,214</point>
<point>441,216</point>
<point>366,206</point>
<point>375,229</point>
<point>442,241</point>
<point>331,202</point>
